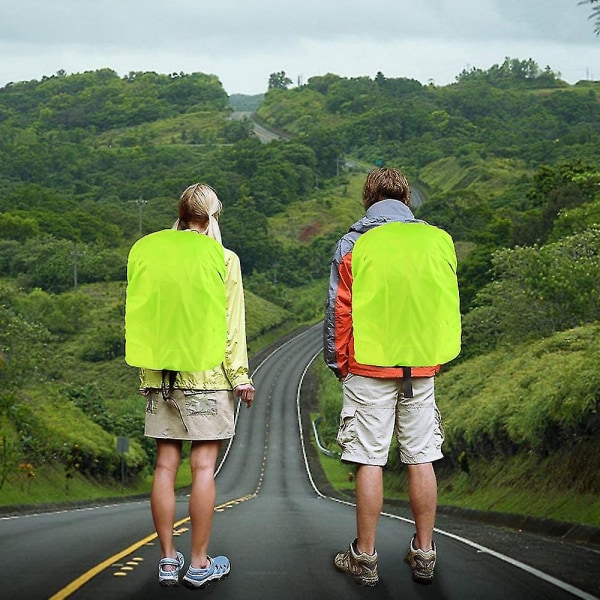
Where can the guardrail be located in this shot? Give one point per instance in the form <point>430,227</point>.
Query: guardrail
<point>322,448</point>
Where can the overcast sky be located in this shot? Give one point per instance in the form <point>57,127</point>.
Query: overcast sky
<point>244,41</point>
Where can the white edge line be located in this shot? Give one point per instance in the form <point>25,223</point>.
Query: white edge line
<point>515,563</point>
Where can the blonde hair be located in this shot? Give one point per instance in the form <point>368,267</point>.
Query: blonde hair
<point>385,183</point>
<point>199,204</point>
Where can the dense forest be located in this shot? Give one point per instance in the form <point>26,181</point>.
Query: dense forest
<point>508,159</point>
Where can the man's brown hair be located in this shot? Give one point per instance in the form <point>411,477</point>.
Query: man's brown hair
<point>383,184</point>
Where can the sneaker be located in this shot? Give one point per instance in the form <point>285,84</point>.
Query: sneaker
<point>170,577</point>
<point>421,562</point>
<point>362,566</point>
<point>218,568</point>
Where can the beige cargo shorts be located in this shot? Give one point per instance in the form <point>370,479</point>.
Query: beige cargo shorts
<point>375,409</point>
<point>190,415</point>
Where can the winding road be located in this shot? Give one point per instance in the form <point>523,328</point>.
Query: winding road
<point>279,531</point>
<point>262,133</point>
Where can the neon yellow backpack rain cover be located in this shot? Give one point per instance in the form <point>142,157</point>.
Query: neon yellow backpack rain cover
<point>405,302</point>
<point>175,314</point>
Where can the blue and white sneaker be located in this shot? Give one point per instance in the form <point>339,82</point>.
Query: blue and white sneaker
<point>170,577</point>
<point>218,568</point>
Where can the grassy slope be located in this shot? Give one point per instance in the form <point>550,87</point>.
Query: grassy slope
<point>511,394</point>
<point>56,421</point>
<point>202,125</point>
<point>519,485</point>
<point>490,178</point>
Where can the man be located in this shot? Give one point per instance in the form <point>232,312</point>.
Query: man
<point>392,317</point>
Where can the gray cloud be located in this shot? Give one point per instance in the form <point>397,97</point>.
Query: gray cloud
<point>236,39</point>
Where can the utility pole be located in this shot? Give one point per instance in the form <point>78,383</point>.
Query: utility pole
<point>75,254</point>
<point>122,449</point>
<point>140,203</point>
<point>339,162</point>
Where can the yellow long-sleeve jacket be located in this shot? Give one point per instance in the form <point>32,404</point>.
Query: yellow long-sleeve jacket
<point>233,371</point>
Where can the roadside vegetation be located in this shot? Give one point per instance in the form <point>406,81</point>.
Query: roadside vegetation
<point>507,158</point>
<point>521,428</point>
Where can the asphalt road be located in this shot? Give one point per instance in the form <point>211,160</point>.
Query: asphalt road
<point>263,134</point>
<point>279,532</point>
<point>417,196</point>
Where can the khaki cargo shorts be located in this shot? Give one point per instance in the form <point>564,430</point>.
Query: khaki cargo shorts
<point>374,409</point>
<point>190,415</point>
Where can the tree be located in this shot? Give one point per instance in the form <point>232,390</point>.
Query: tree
<point>279,81</point>
<point>535,292</point>
<point>555,188</point>
<point>595,13</point>
<point>512,72</point>
<point>464,214</point>
<point>16,227</point>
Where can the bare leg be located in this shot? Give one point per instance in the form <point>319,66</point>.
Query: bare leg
<point>369,502</point>
<point>422,491</point>
<point>203,458</point>
<point>162,498</point>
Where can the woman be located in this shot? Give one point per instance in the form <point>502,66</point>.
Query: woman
<point>199,408</point>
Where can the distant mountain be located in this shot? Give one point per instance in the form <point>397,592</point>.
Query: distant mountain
<point>245,103</point>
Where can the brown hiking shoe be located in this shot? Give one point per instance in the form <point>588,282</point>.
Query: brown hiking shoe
<point>422,562</point>
<point>362,566</point>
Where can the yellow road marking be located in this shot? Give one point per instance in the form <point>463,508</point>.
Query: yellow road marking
<point>83,579</point>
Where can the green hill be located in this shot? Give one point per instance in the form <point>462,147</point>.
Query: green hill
<point>77,382</point>
<point>507,160</point>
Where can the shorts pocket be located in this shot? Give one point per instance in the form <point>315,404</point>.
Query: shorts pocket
<point>439,429</point>
<point>200,404</point>
<point>347,431</point>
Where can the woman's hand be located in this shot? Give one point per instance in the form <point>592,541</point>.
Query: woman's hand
<point>246,393</point>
